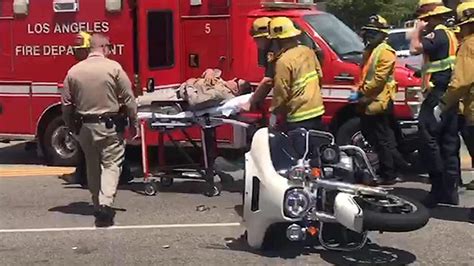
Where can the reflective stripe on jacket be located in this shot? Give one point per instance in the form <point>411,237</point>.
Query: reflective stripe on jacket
<point>378,83</point>
<point>461,86</point>
<point>430,67</point>
<point>297,91</point>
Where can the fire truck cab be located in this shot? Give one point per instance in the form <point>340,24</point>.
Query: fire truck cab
<point>160,44</point>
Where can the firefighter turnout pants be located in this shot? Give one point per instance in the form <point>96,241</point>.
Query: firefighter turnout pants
<point>439,150</point>
<point>378,131</point>
<point>104,150</point>
<point>467,133</point>
<point>310,124</point>
<point>468,137</point>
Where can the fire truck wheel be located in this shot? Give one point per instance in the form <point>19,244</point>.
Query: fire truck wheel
<point>59,147</point>
<point>350,134</point>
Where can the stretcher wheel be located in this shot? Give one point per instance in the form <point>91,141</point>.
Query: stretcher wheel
<point>213,191</point>
<point>151,189</point>
<point>166,181</point>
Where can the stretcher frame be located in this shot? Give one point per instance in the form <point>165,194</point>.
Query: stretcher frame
<point>166,125</point>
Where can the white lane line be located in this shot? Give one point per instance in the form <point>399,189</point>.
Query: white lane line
<point>118,227</point>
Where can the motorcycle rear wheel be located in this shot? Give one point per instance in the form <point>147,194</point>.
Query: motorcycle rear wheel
<point>392,213</point>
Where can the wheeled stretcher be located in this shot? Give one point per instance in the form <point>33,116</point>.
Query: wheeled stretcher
<point>166,125</point>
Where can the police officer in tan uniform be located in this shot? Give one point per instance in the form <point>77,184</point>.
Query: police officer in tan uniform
<point>93,91</point>
<point>81,51</point>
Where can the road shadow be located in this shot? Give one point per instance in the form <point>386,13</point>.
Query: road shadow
<point>187,187</point>
<point>239,209</point>
<point>21,153</point>
<point>371,254</point>
<point>78,208</point>
<point>441,212</point>
<point>182,186</point>
<point>451,213</point>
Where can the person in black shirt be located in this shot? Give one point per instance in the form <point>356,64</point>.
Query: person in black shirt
<point>440,142</point>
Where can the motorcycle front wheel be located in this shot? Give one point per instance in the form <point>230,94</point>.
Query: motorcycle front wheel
<point>392,213</point>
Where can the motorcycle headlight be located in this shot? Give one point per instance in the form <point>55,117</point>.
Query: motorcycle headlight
<point>330,154</point>
<point>297,203</point>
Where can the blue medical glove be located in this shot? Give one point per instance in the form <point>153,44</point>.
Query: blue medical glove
<point>355,96</point>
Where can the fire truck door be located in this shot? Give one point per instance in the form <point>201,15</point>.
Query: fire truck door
<point>158,42</point>
<point>207,45</point>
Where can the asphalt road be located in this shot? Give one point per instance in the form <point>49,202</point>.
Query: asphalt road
<point>46,222</point>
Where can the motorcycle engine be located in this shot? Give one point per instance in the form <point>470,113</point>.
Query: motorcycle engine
<point>341,171</point>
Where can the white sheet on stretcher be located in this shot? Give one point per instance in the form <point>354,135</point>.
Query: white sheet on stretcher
<point>227,109</point>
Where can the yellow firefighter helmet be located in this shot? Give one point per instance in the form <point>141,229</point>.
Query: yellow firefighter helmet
<point>429,8</point>
<point>377,23</point>
<point>282,28</point>
<point>260,27</point>
<point>465,13</point>
<point>83,40</point>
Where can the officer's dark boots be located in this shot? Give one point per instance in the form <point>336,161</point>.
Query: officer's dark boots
<point>471,216</point>
<point>434,197</point>
<point>104,217</point>
<point>451,194</point>
<point>441,193</point>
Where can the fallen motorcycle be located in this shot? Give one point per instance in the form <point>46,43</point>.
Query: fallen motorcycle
<point>299,184</point>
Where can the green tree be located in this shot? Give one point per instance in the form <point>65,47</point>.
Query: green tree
<point>355,13</point>
<point>399,11</point>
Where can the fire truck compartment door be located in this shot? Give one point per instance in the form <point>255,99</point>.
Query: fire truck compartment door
<point>15,97</point>
<point>207,45</point>
<point>15,108</point>
<point>6,55</point>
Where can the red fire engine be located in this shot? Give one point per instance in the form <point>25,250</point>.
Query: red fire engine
<point>160,44</point>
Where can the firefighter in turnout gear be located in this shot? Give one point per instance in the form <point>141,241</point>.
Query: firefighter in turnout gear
<point>461,86</point>
<point>266,52</point>
<point>376,92</point>
<point>440,142</point>
<point>297,93</point>
<point>93,92</point>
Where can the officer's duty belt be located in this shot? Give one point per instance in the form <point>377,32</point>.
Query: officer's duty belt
<point>92,119</point>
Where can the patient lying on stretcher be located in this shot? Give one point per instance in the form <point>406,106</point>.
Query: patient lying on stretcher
<point>209,90</point>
